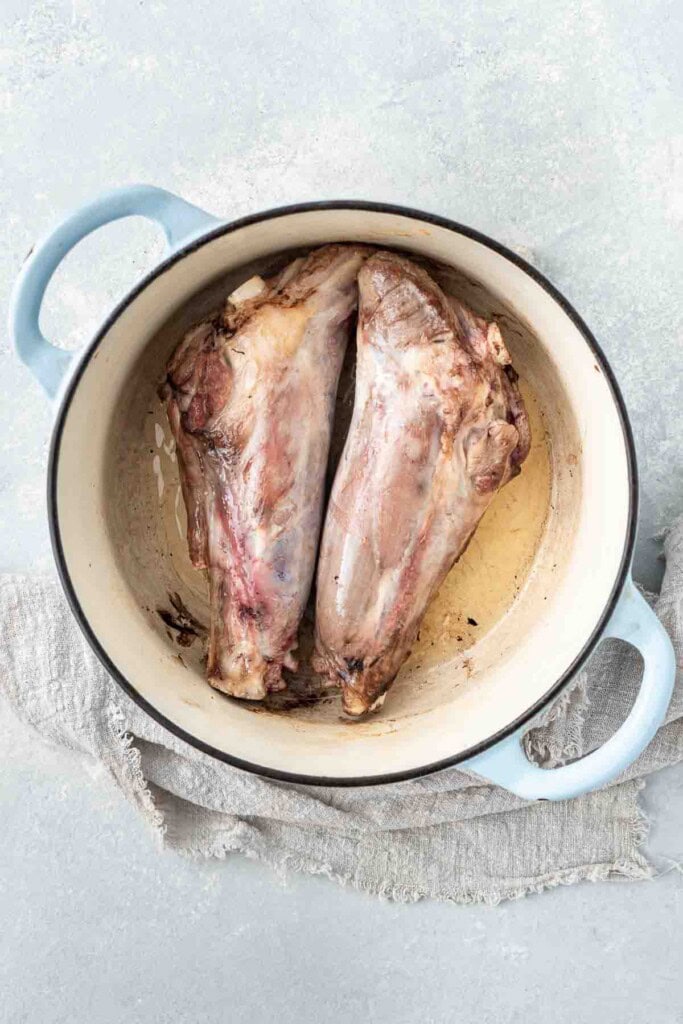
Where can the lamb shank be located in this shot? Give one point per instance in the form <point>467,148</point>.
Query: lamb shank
<point>250,398</point>
<point>438,427</point>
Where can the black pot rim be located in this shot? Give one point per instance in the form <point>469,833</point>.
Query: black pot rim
<point>70,590</point>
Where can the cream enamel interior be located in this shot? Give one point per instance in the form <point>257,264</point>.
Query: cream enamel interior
<point>123,551</point>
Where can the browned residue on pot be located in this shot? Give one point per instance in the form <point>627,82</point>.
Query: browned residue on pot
<point>185,627</point>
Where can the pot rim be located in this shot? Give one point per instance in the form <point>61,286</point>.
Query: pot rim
<point>228,228</point>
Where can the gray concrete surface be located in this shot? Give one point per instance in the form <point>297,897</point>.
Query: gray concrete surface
<point>550,125</point>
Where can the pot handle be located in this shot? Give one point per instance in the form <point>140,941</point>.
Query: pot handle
<point>179,220</point>
<point>507,765</point>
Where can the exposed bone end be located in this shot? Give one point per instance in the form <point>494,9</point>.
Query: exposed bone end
<point>246,686</point>
<point>249,290</point>
<point>357,704</point>
<point>363,687</point>
<point>496,344</point>
<point>242,673</point>
<point>353,702</point>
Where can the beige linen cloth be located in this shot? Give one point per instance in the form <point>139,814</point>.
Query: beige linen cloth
<point>449,836</point>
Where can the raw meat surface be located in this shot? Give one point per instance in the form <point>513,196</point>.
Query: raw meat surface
<point>438,427</point>
<point>250,397</point>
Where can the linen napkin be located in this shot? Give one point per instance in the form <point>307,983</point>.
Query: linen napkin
<point>448,836</point>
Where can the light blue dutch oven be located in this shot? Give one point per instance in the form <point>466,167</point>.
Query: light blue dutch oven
<point>117,525</point>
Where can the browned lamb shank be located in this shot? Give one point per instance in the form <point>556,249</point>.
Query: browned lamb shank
<point>438,427</point>
<point>250,398</point>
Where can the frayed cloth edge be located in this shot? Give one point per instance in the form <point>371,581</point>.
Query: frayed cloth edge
<point>130,775</point>
<point>633,867</point>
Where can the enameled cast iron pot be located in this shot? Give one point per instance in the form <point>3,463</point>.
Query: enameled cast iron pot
<point>119,549</point>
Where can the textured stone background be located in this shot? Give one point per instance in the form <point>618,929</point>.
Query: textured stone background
<point>551,125</point>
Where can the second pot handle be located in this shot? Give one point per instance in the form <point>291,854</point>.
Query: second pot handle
<point>179,220</point>
<point>507,765</point>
